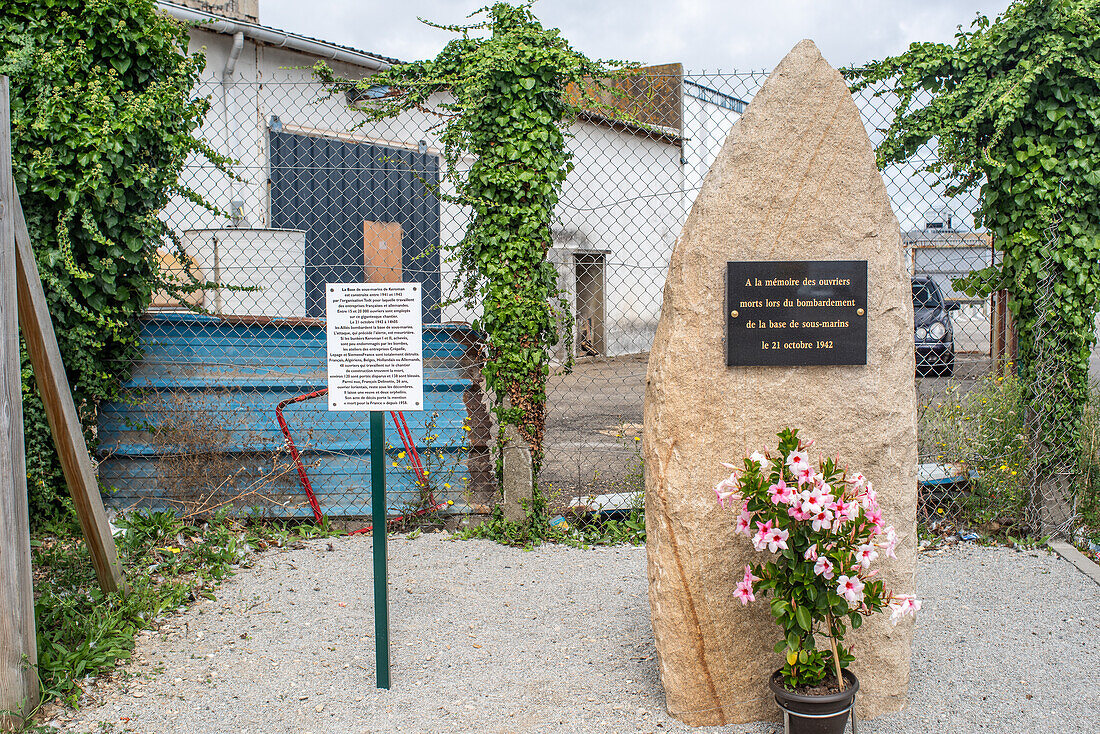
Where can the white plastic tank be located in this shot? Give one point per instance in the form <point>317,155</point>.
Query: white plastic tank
<point>270,263</point>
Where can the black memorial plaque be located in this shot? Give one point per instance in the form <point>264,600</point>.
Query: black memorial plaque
<point>795,313</point>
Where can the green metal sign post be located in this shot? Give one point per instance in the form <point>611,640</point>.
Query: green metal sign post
<point>378,537</point>
<point>375,350</point>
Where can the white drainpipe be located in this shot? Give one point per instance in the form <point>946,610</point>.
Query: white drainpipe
<point>272,37</point>
<point>236,206</point>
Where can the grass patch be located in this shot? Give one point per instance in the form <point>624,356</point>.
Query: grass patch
<point>579,531</point>
<point>168,564</point>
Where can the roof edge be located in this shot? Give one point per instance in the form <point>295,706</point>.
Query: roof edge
<point>277,38</point>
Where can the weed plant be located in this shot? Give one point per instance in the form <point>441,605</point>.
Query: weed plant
<point>83,631</point>
<point>444,463</point>
<point>580,528</point>
<point>583,531</point>
<point>982,432</point>
<point>1087,537</point>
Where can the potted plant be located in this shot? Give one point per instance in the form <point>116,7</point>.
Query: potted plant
<point>822,530</point>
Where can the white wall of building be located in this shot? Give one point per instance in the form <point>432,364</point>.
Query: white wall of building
<point>625,197</point>
<point>706,127</point>
<point>624,200</point>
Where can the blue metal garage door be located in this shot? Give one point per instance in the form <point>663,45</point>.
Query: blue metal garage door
<point>330,187</point>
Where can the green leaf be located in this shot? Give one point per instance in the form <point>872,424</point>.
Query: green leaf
<point>802,614</point>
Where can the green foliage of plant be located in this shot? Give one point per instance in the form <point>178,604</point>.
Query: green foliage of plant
<point>980,431</point>
<point>83,631</point>
<point>505,97</point>
<point>441,461</point>
<point>102,121</point>
<point>582,530</point>
<point>1088,476</point>
<point>1015,108</point>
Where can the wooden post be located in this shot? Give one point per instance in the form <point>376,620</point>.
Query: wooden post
<point>68,436</point>
<point>18,655</point>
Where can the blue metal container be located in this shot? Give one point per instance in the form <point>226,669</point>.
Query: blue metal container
<point>195,429</point>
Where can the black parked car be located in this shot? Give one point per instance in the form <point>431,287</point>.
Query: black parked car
<point>935,339</point>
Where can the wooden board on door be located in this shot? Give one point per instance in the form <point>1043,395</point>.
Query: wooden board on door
<point>382,252</point>
<point>177,271</point>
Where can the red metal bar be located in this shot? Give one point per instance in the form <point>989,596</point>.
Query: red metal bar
<point>406,439</point>
<point>317,514</point>
<point>410,447</point>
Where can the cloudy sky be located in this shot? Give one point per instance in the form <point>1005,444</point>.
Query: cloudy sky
<point>731,35</point>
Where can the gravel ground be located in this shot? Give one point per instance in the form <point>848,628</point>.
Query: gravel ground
<point>487,638</point>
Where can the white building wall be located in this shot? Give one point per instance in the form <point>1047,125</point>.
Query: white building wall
<point>623,199</point>
<point>706,127</point>
<point>627,196</point>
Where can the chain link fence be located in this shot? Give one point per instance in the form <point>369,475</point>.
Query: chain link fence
<point>233,376</point>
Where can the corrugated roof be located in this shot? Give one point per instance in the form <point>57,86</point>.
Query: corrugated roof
<point>372,54</point>
<point>945,238</point>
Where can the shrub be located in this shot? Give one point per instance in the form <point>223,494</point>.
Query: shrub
<point>102,123</point>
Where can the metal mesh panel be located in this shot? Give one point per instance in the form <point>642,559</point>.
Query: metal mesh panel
<point>318,196</point>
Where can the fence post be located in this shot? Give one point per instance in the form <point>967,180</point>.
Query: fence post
<point>18,656</point>
<point>57,399</point>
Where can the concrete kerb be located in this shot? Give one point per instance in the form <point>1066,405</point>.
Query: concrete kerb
<point>1077,558</point>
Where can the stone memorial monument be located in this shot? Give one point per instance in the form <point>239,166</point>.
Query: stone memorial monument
<point>794,193</point>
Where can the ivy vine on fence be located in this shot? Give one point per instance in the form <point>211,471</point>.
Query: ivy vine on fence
<point>103,119</point>
<point>1015,111</point>
<point>505,89</point>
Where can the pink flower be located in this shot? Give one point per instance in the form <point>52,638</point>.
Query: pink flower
<point>857,481</point>
<point>795,510</point>
<point>890,543</point>
<point>811,553</point>
<point>744,587</point>
<point>728,490</point>
<point>744,593</point>
<point>781,492</point>
<point>851,588</point>
<point>760,540</point>
<point>798,461</point>
<point>822,520</point>
<point>744,523</point>
<point>846,511</point>
<point>870,498</point>
<point>902,605</point>
<point>824,567</point>
<point>814,501</point>
<point>761,460</point>
<point>776,540</point>
<point>865,554</point>
<point>874,516</point>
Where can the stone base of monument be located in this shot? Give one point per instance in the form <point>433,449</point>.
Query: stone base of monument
<point>821,714</point>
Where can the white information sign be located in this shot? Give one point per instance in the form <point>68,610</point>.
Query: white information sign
<point>375,346</point>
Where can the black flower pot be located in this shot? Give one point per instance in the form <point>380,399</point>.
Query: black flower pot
<point>823,714</point>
